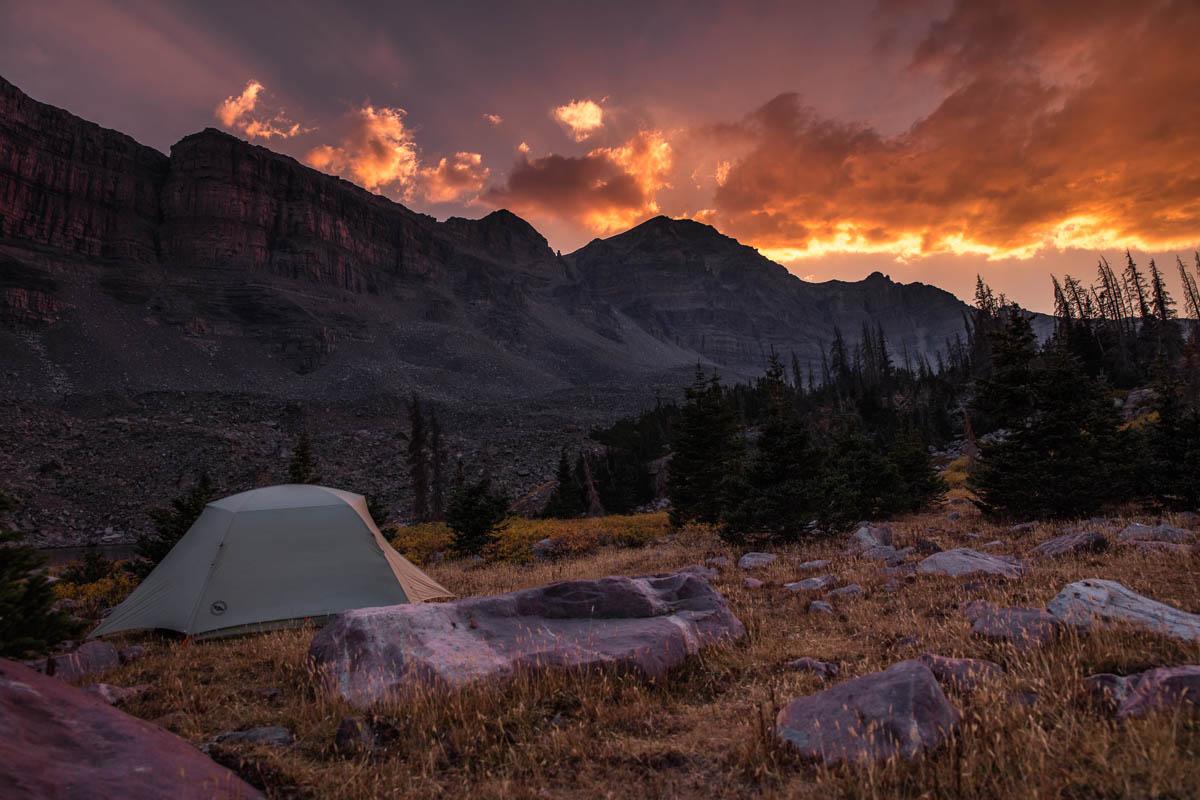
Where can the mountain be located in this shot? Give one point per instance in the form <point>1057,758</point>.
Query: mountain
<point>218,299</point>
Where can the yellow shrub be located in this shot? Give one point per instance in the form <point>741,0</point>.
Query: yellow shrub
<point>92,598</point>
<point>418,543</point>
<point>956,472</point>
<point>516,537</point>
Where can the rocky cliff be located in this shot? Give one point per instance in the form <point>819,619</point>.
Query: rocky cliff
<point>263,296</point>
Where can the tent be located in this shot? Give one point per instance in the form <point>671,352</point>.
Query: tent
<point>270,558</point>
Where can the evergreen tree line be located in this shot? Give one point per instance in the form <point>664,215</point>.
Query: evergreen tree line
<point>1061,447</point>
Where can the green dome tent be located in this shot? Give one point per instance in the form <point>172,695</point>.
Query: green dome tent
<point>270,558</point>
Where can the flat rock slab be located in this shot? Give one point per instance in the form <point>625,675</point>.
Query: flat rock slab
<point>1072,544</point>
<point>756,560</point>
<point>810,584</point>
<point>963,674</point>
<point>1162,689</point>
<point>644,626</point>
<point>62,742</point>
<point>901,711</point>
<point>1020,627</point>
<point>824,669</point>
<point>1093,602</point>
<point>962,561</point>
<point>846,592</point>
<point>1137,532</point>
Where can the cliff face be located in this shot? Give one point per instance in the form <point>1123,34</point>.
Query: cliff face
<point>74,186</point>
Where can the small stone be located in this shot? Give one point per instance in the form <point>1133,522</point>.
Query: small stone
<point>823,669</point>
<point>756,560</point>
<point>847,591</point>
<point>810,584</point>
<point>271,735</point>
<point>269,693</point>
<point>134,652</point>
<point>962,561</point>
<point>91,658</point>
<point>1106,691</point>
<point>868,536</point>
<point>993,544</point>
<point>927,546</point>
<point>1024,527</point>
<point>1137,532</point>
<point>1020,627</point>
<point>546,549</point>
<point>820,607</point>
<point>708,573</point>
<point>1072,544</point>
<point>751,583</point>
<point>718,562</point>
<point>811,566</point>
<point>954,516</point>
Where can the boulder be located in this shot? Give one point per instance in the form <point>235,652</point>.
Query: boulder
<point>644,626</point>
<point>963,674</point>
<point>962,561</point>
<point>1163,689</point>
<point>868,536</point>
<point>1072,544</point>
<point>756,560</point>
<point>1137,532</point>
<point>824,669</point>
<point>901,711</point>
<point>810,584</point>
<point>1100,602</point>
<point>60,741</point>
<point>887,554</point>
<point>116,695</point>
<point>271,735</point>
<point>847,591</point>
<point>1021,627</point>
<point>820,607</point>
<point>90,658</point>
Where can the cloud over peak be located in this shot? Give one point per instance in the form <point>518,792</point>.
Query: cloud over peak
<point>580,118</point>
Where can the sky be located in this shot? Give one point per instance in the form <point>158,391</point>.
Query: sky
<point>932,140</point>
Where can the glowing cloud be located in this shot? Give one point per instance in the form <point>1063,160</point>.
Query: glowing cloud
<point>607,190</point>
<point>237,112</point>
<point>580,118</point>
<point>378,152</point>
<point>454,179</point>
<point>493,119</point>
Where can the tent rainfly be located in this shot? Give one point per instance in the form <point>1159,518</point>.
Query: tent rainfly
<point>269,558</point>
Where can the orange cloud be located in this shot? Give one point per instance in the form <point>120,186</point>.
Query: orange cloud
<point>607,190</point>
<point>378,153</point>
<point>237,112</point>
<point>1064,125</point>
<point>493,119</point>
<point>454,179</point>
<point>580,118</point>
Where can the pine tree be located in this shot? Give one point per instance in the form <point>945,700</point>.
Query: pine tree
<point>302,468</point>
<point>29,625</point>
<point>775,498</point>
<point>1174,448</point>
<point>566,502</point>
<point>922,483</point>
<point>437,470</point>
<point>418,460</point>
<point>172,522</point>
<point>473,514</point>
<point>1066,459</point>
<point>1004,397</point>
<point>704,452</point>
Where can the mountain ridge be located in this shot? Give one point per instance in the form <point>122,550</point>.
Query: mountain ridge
<point>254,291</point>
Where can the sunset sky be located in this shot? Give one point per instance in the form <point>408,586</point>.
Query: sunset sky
<point>929,140</point>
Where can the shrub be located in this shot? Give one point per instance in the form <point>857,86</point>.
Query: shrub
<point>473,513</point>
<point>91,598</point>
<point>419,543</point>
<point>515,538</point>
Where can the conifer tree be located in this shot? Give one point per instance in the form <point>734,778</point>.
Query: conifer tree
<point>566,502</point>
<point>173,521</point>
<point>303,468</point>
<point>1066,458</point>
<point>704,452</point>
<point>29,625</point>
<point>473,514</point>
<point>1005,396</point>
<point>437,470</point>
<point>418,460</point>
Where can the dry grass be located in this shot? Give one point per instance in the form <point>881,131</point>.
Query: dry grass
<point>706,732</point>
